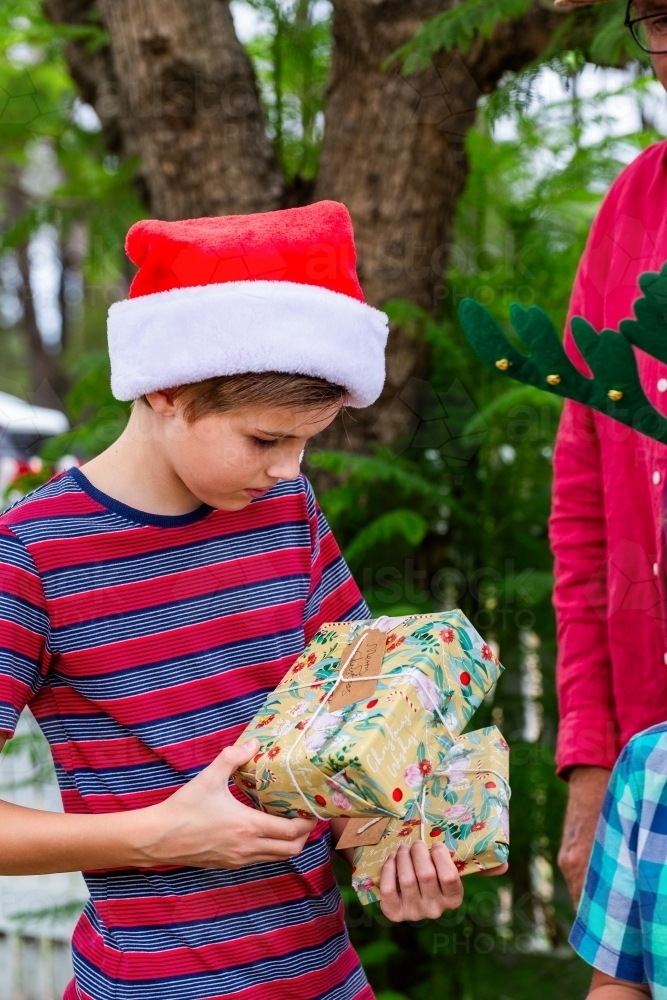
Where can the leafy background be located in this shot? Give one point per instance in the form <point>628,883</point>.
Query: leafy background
<point>453,515</point>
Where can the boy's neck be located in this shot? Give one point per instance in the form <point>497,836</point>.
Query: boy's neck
<point>135,471</point>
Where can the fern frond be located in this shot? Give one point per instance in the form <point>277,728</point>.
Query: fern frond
<point>363,469</point>
<point>456,28</point>
<point>405,524</point>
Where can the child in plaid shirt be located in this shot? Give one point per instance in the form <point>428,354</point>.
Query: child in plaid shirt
<point>621,925</point>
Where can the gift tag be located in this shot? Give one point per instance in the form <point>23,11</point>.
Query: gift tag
<point>359,659</point>
<point>363,832</point>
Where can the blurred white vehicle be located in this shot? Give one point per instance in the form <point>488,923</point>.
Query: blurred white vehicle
<point>23,429</point>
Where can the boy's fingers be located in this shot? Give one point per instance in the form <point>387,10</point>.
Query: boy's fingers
<point>277,828</point>
<point>448,877</point>
<point>232,757</point>
<point>279,850</point>
<point>390,903</point>
<point>425,870</point>
<point>407,877</point>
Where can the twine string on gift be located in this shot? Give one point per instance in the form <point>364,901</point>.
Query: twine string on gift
<point>339,679</point>
<point>288,758</point>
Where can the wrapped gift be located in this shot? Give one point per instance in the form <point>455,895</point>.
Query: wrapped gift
<point>368,711</point>
<point>464,806</point>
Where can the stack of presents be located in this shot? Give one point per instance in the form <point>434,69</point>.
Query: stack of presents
<point>368,724</point>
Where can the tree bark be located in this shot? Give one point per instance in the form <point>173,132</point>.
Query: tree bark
<point>393,152</point>
<point>47,385</point>
<point>188,93</point>
<point>93,72</point>
<point>177,89</point>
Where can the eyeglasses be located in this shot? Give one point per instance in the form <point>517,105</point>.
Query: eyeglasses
<point>649,31</point>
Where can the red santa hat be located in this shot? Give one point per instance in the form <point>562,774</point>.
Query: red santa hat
<point>276,291</point>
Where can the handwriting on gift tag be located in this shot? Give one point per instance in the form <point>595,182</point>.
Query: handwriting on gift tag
<point>360,664</point>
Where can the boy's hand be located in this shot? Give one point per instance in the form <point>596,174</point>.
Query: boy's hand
<point>204,826</point>
<point>418,884</point>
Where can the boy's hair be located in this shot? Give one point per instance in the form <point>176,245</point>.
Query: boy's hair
<point>231,392</point>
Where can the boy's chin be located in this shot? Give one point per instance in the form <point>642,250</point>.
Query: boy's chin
<point>231,501</point>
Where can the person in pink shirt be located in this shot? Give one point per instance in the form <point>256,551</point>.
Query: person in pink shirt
<point>607,520</point>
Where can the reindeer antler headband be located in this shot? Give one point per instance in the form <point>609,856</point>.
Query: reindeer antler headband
<point>615,388</point>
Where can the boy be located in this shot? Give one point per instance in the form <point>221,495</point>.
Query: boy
<point>621,925</point>
<point>150,601</point>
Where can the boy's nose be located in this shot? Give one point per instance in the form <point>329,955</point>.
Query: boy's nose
<point>286,467</point>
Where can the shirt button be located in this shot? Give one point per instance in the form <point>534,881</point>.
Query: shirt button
<point>656,478</point>
<point>655,569</point>
<point>662,384</point>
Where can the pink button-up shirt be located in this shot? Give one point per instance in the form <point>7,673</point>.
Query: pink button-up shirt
<point>607,516</point>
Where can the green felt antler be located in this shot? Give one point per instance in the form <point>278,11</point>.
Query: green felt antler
<point>648,330</point>
<point>615,388</point>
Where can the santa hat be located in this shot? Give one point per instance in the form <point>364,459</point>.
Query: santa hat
<point>276,291</point>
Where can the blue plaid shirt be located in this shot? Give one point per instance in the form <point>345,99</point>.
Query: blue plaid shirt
<point>621,925</point>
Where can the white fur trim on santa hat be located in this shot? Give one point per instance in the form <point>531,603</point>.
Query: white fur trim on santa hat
<point>189,334</point>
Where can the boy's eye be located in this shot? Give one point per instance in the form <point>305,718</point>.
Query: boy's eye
<point>264,442</point>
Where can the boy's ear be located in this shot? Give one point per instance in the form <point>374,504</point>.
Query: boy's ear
<point>162,402</point>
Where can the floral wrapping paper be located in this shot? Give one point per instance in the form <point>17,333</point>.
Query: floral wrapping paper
<point>370,757</point>
<point>466,800</point>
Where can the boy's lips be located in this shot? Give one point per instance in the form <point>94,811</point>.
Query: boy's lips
<point>258,493</point>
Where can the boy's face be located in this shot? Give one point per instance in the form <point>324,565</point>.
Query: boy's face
<point>228,459</point>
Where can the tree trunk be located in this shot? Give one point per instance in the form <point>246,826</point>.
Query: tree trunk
<point>178,89</point>
<point>394,154</point>
<point>187,92</point>
<point>47,384</point>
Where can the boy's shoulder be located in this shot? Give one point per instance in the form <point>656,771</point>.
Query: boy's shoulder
<point>65,497</point>
<point>50,499</point>
<point>642,765</point>
<point>645,743</point>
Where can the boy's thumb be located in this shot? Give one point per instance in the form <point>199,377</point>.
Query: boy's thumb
<point>232,757</point>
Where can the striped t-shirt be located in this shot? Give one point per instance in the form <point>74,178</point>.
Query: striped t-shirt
<point>143,645</point>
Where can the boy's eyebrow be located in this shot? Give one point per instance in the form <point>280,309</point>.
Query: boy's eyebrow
<point>275,434</point>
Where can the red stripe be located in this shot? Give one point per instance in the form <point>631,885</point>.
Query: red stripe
<point>18,582</point>
<point>112,546</point>
<point>160,590</point>
<point>180,962</point>
<point>184,641</point>
<point>14,692</point>
<point>131,752</point>
<point>221,955</point>
<point>311,984</point>
<point>161,911</point>
<point>74,503</point>
<point>20,640</point>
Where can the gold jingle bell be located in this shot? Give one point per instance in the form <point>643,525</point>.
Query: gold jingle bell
<point>553,379</point>
<point>615,394</point>
<point>503,364</point>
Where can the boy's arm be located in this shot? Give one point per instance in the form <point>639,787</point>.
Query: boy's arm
<point>605,987</point>
<point>201,825</point>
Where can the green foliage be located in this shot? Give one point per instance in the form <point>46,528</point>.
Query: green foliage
<point>292,60</point>
<point>596,34</point>
<point>98,418</point>
<point>457,28</point>
<point>55,170</point>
